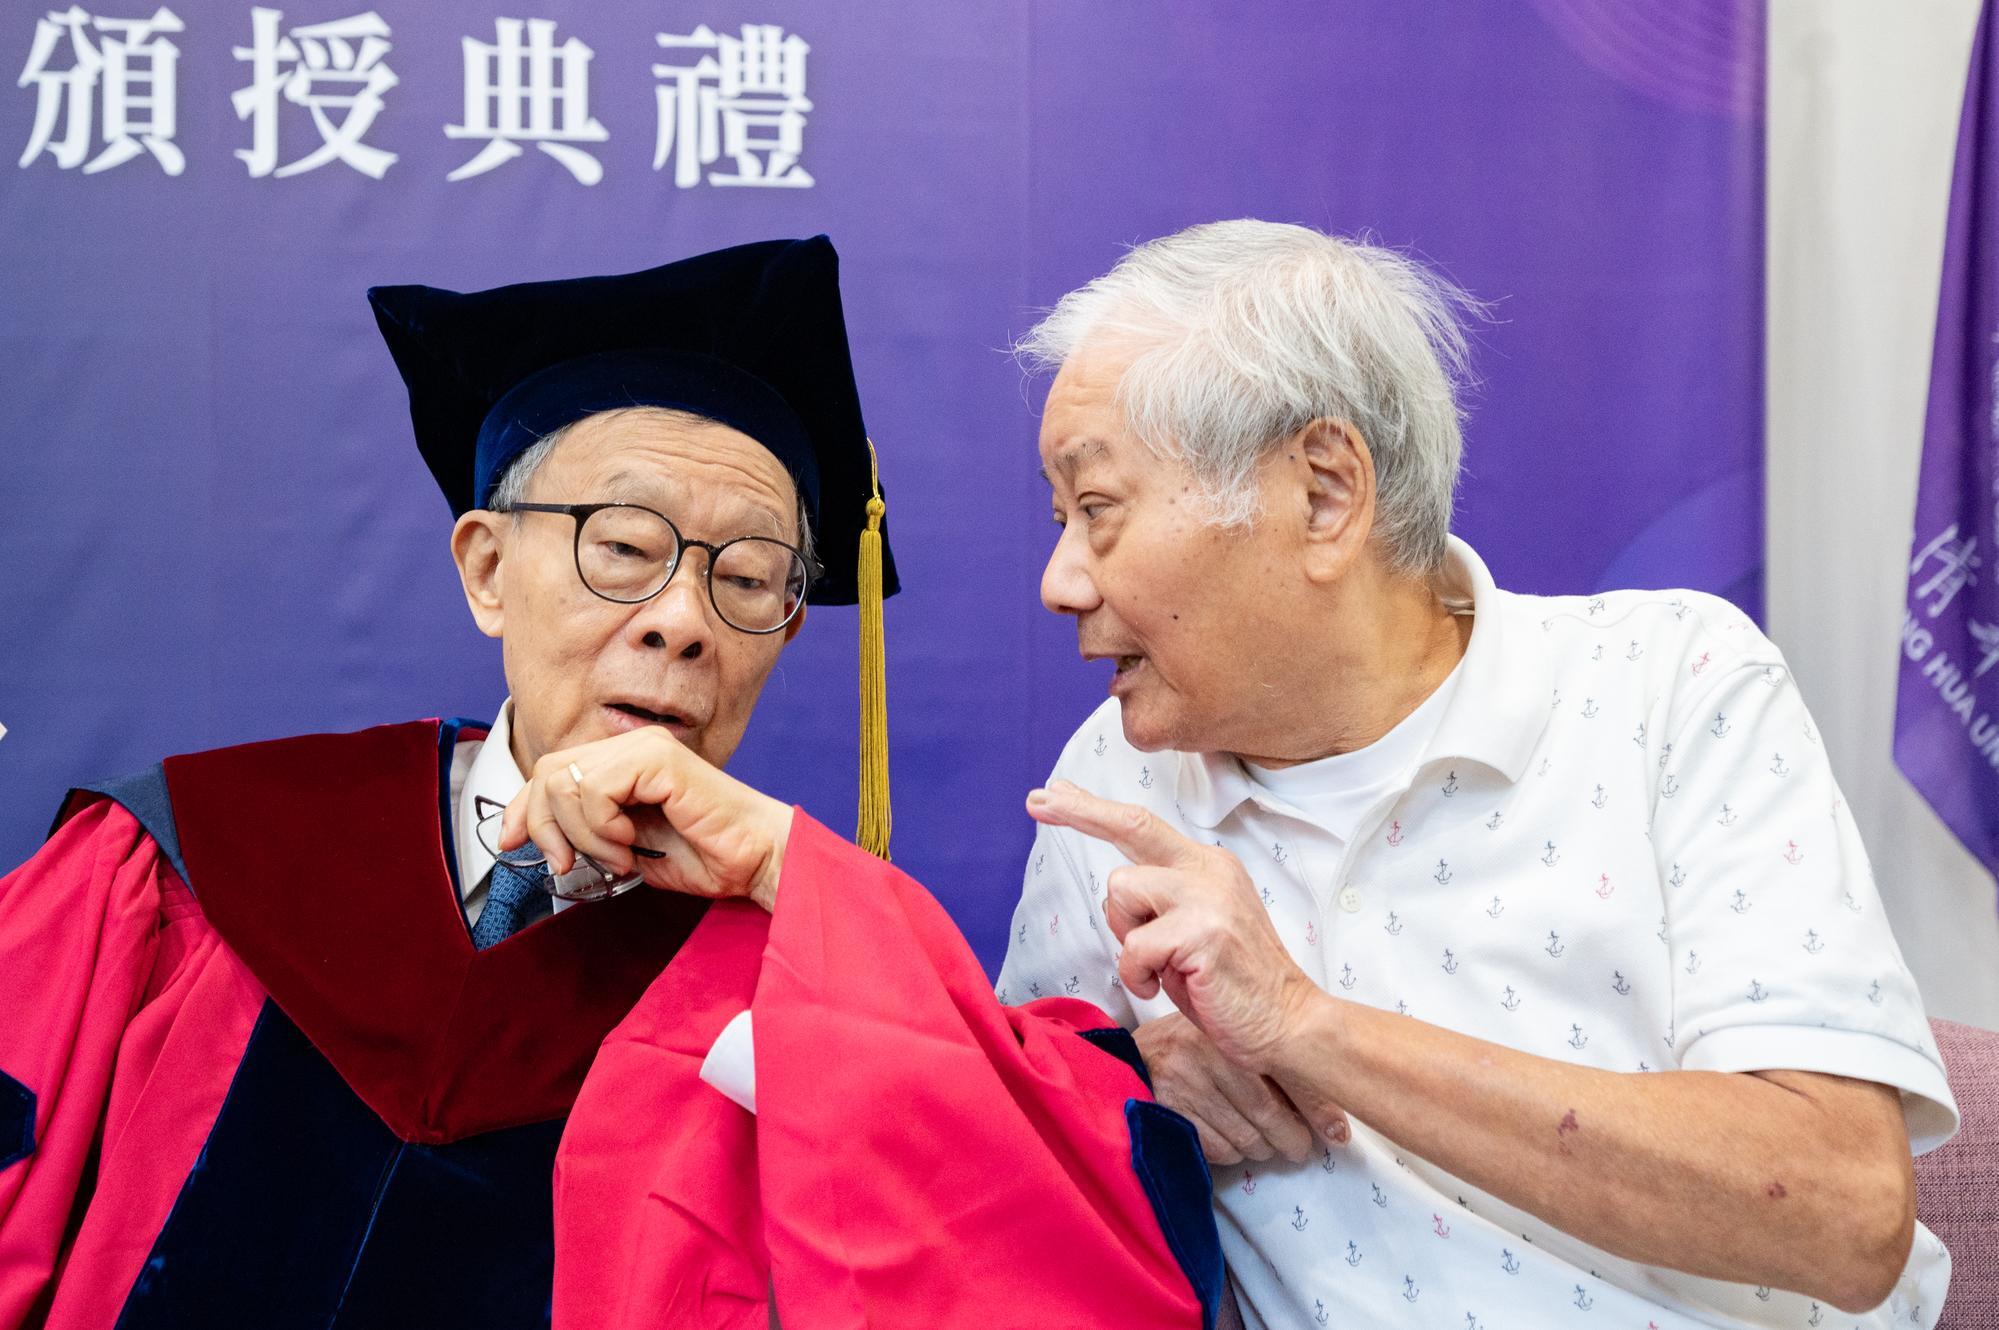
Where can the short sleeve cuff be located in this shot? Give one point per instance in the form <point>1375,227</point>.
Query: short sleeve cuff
<point>1927,1105</point>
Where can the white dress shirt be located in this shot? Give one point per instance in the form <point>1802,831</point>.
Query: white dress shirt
<point>483,772</point>
<point>1622,847</point>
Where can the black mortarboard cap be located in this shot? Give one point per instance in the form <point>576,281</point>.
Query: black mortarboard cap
<point>752,337</point>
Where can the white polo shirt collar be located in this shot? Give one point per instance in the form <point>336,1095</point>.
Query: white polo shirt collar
<point>1495,718</point>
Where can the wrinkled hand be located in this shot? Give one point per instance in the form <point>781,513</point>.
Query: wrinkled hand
<point>1238,1114</point>
<point>713,835</point>
<point>1191,923</point>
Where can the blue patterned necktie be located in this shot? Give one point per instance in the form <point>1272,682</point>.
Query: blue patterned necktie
<point>516,896</point>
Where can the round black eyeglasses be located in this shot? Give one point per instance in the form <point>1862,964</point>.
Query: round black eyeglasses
<point>628,554</point>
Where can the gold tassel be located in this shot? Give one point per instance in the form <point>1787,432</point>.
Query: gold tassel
<point>872,832</point>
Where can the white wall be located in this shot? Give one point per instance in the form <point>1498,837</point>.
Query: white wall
<point>1863,107</point>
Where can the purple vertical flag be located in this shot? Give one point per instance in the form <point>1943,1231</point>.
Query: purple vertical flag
<point>1947,708</point>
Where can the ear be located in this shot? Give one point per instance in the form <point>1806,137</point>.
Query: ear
<point>478,547</point>
<point>1335,467</point>
<point>797,622</point>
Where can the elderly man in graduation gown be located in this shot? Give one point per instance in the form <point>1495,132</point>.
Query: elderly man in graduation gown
<point>291,1040</point>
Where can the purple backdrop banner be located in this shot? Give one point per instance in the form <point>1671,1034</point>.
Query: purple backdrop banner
<point>216,528</point>
<point>1946,734</point>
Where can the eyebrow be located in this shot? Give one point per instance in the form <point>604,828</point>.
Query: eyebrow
<point>629,487</point>
<point>1069,460</point>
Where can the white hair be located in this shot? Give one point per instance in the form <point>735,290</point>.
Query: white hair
<point>512,487</point>
<point>1241,333</point>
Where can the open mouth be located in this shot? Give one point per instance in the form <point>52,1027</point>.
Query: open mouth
<point>651,717</point>
<point>1126,664</point>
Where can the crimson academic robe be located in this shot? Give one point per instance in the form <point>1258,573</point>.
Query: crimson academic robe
<point>253,1073</point>
<point>264,1080</point>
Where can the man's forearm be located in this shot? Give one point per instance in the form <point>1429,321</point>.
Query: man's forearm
<point>1789,1179</point>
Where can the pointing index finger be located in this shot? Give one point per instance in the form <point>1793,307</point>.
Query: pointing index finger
<point>1136,833</point>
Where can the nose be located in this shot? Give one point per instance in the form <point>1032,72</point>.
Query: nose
<point>680,619</point>
<point>1066,584</point>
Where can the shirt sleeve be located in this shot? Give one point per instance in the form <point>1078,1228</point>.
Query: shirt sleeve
<point>1060,945</point>
<point>78,924</point>
<point>1781,954</point>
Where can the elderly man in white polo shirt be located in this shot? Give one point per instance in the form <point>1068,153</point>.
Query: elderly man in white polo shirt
<point>1515,956</point>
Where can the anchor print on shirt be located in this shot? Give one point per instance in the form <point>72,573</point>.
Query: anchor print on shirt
<point>1619,984</point>
<point>1547,765</point>
<point>1394,833</point>
<point>1394,925</point>
<point>1277,852</point>
<point>1599,799</point>
<point>1497,908</point>
<point>1634,651</point>
<point>1678,877</point>
<point>1145,778</point>
<point>1248,1182</point>
<point>1021,936</point>
<point>1874,993</point>
<point>1577,1039</point>
<point>1072,986</point>
<point>1353,1253</point>
<point>1813,946</point>
<point>1401,1007</point>
<point>1811,735</point>
<point>1772,676</point>
<point>1670,787</point>
<point>1550,856</point>
<point>1558,700</point>
<point>1409,1290</point>
<point>1679,607</point>
<point>1347,977</point>
<point>1473,1323</point>
<point>1492,823</point>
<point>1508,1261</point>
<point>1639,738</point>
<point>1817,1317</point>
<point>1450,962</point>
<point>1741,902</point>
<point>1326,1161</point>
<point>1298,1220</point>
<point>1665,755</point>
<point>1851,903</point>
<point>1584,1300</point>
<point>1319,1314</point>
<point>1700,664</point>
<point>1693,962</point>
<point>1758,993</point>
<point>1792,854</point>
<point>1763,1293</point>
<point>1267,898</point>
<point>1380,1197</point>
<point>1603,886</point>
<point>1034,988</point>
<point>1720,728</point>
<point>1098,747</point>
<point>1054,923</point>
<point>1779,767</point>
<point>1590,708</point>
<point>1510,999</point>
<point>1039,860</point>
<point>1443,873</point>
<point>1311,934</point>
<point>1450,785</point>
<point>1596,605</point>
<point>1596,652</point>
<point>1728,817</point>
<point>1554,947</point>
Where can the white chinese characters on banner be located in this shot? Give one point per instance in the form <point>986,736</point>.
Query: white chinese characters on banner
<point>513,93</point>
<point>335,71</point>
<point>1957,565</point>
<point>128,73</point>
<point>734,116</point>
<point>743,99</point>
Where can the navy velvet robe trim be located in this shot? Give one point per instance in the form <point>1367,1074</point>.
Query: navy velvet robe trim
<point>143,794</point>
<point>305,1212</point>
<point>1119,1043</point>
<point>1166,1152</point>
<point>17,1120</point>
